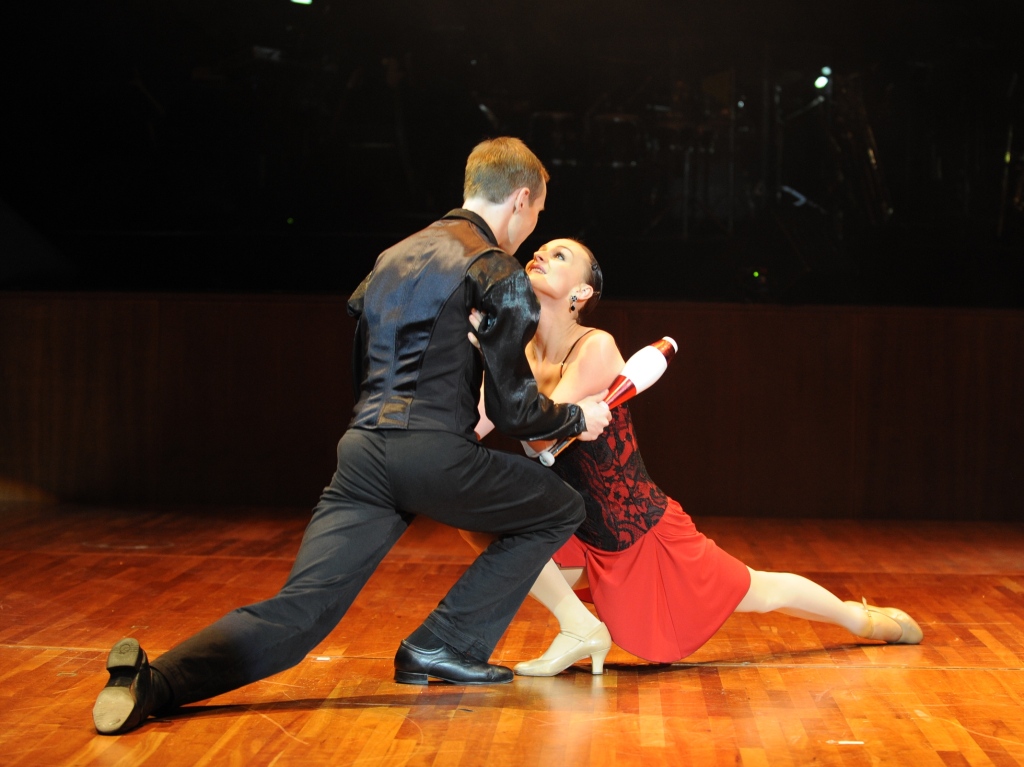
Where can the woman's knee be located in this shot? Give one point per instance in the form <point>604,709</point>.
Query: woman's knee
<point>762,596</point>
<point>478,541</point>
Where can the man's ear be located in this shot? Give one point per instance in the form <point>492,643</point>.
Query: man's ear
<point>520,198</point>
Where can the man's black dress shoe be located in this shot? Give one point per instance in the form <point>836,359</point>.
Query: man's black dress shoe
<point>127,699</point>
<point>413,665</point>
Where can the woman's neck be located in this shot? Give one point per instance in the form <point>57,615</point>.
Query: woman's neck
<point>556,332</point>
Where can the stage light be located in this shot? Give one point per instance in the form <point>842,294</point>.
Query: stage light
<point>821,82</point>
<point>303,2</point>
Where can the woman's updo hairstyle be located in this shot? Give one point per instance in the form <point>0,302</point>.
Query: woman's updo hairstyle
<point>594,278</point>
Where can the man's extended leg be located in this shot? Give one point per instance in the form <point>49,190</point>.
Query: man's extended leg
<point>351,530</point>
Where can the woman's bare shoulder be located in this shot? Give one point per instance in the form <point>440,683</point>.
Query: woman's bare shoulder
<point>599,355</point>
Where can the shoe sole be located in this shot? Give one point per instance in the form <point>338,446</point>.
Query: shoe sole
<point>413,677</point>
<point>113,707</point>
<point>408,677</point>
<point>115,704</point>
<point>912,633</point>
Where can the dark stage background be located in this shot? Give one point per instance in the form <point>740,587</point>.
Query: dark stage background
<point>191,188</point>
<point>268,146</point>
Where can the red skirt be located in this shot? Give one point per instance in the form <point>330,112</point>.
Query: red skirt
<point>664,596</point>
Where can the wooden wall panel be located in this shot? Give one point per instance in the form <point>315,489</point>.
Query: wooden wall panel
<point>766,411</point>
<point>172,399</point>
<point>834,412</point>
<point>752,417</point>
<point>253,389</point>
<point>939,426</point>
<point>79,416</point>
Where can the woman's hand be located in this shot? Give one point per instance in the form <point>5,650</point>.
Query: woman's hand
<point>475,318</point>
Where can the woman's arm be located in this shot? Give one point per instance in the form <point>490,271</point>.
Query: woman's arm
<point>594,367</point>
<point>484,426</point>
<point>592,370</point>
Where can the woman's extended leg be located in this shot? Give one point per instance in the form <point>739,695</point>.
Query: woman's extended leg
<point>802,598</point>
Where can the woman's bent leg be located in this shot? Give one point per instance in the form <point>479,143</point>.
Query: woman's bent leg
<point>580,633</point>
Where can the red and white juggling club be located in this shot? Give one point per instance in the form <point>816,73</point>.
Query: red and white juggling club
<point>640,371</point>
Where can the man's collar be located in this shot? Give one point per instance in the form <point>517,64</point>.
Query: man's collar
<point>475,219</point>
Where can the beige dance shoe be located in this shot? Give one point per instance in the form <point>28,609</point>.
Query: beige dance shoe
<point>905,630</point>
<point>596,644</point>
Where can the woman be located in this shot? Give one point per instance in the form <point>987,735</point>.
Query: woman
<point>638,553</point>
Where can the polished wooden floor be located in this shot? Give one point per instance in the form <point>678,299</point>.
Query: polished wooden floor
<point>766,690</point>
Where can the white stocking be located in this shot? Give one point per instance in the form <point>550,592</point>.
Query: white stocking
<point>554,592</point>
<point>802,598</point>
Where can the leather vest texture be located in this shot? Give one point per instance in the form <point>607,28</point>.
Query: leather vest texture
<point>415,365</point>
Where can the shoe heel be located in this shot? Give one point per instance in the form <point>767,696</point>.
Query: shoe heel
<point>410,677</point>
<point>125,654</point>
<point>597,662</point>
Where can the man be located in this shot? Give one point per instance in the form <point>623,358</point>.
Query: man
<point>410,449</point>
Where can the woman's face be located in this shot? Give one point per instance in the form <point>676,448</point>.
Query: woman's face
<point>558,267</point>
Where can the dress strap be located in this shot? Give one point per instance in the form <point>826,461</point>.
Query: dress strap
<point>562,364</point>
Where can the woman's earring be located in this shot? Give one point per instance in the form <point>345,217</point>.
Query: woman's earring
<point>572,305</point>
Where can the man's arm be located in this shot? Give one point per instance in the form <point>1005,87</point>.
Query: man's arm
<point>502,292</point>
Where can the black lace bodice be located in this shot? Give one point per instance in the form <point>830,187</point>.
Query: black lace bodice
<point>622,501</point>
